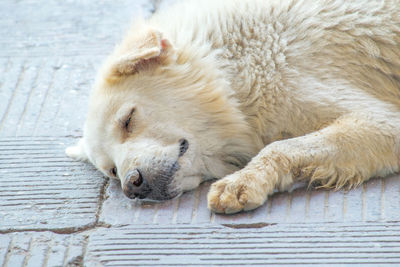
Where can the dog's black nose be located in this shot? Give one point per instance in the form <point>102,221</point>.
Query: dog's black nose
<point>135,177</point>
<point>135,185</point>
<point>183,146</point>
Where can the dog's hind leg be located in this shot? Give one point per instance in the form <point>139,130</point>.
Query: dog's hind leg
<point>354,148</point>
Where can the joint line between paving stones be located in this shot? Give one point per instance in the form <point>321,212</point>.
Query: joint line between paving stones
<point>102,199</point>
<point>65,230</point>
<point>89,227</point>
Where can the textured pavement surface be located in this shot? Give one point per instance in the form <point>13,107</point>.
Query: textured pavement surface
<point>57,212</point>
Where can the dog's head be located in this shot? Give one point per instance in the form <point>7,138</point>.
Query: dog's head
<point>160,121</point>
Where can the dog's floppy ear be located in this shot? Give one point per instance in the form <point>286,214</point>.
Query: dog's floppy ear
<point>77,151</point>
<point>139,53</point>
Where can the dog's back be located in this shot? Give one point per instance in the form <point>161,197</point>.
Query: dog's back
<point>335,56</point>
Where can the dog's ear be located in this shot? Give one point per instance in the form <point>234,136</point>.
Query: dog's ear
<point>77,151</point>
<point>139,53</point>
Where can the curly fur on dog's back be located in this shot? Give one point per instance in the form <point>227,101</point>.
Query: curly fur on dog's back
<point>269,48</point>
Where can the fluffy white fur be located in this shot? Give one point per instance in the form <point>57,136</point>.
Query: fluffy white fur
<point>289,90</point>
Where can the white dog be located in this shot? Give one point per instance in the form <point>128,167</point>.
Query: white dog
<point>259,93</point>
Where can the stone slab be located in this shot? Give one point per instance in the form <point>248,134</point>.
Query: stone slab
<point>40,188</point>
<point>376,201</point>
<point>45,97</point>
<point>66,28</point>
<point>245,245</point>
<point>46,249</point>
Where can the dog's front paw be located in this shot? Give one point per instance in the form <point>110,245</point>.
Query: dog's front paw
<point>236,192</point>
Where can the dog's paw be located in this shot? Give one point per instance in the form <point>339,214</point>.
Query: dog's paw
<point>77,151</point>
<point>236,192</point>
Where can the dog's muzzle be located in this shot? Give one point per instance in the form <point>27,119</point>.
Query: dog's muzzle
<point>148,183</point>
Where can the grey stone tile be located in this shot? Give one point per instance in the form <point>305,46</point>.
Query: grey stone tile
<point>19,94</point>
<point>33,249</point>
<point>13,71</point>
<point>53,118</point>
<point>301,205</point>
<point>65,28</point>
<point>42,189</point>
<point>46,97</point>
<point>287,244</point>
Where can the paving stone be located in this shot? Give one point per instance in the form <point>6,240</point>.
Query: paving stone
<point>251,244</point>
<point>40,97</point>
<point>33,249</point>
<point>366,203</point>
<point>40,188</point>
<point>66,28</point>
<point>66,97</point>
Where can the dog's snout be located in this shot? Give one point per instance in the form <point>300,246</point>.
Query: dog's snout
<point>134,185</point>
<point>183,146</point>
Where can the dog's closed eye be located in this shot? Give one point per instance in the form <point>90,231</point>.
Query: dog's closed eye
<point>127,122</point>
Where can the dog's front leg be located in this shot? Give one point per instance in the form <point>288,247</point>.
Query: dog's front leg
<point>349,151</point>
